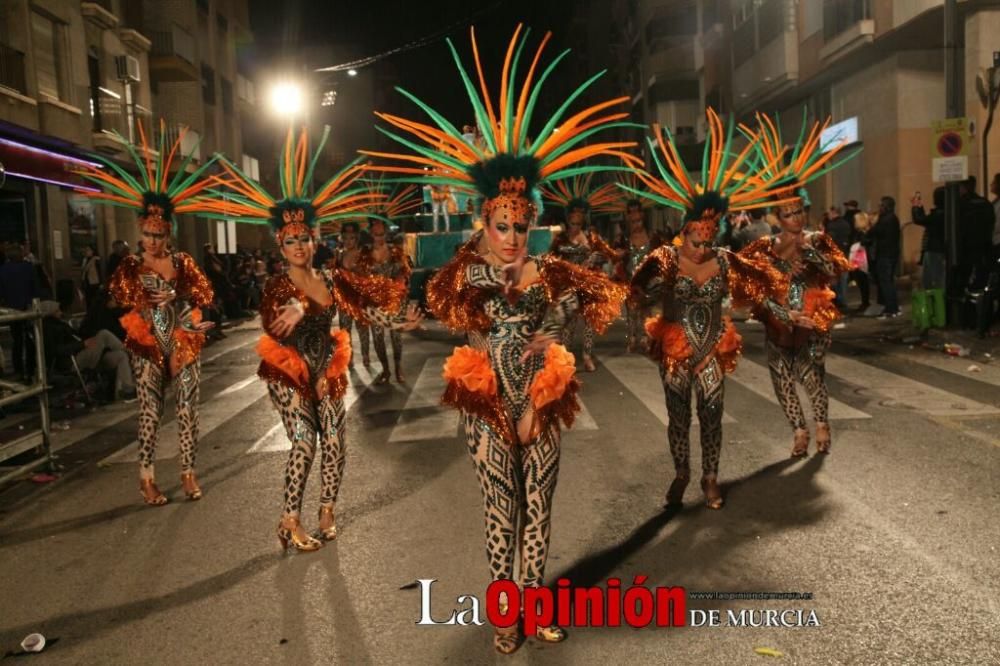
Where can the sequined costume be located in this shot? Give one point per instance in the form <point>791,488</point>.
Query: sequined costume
<point>635,315</point>
<point>580,254</point>
<point>797,355</point>
<point>494,389</point>
<point>395,267</point>
<point>346,260</point>
<point>487,379</point>
<point>164,341</point>
<point>156,334</point>
<point>305,368</point>
<point>292,366</point>
<point>695,344</point>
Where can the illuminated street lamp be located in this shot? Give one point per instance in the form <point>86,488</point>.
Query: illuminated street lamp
<point>352,72</point>
<point>287,99</point>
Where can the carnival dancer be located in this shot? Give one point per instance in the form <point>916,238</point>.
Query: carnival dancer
<point>694,344</point>
<point>163,292</point>
<point>811,261</point>
<point>579,244</point>
<point>637,243</point>
<point>391,261</point>
<point>513,382</point>
<point>346,259</point>
<point>304,358</point>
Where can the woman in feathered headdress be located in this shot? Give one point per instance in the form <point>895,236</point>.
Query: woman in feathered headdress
<point>810,261</point>
<point>637,243</point>
<point>695,345</point>
<point>303,358</point>
<point>514,383</point>
<point>577,243</point>
<point>390,261</point>
<point>162,291</point>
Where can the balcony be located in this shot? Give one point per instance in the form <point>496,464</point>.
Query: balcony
<point>173,55</point>
<point>190,143</point>
<point>772,69</point>
<point>109,115</point>
<point>675,57</point>
<point>99,13</point>
<point>846,41</point>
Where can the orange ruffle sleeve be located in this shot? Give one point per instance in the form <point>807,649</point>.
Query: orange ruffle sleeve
<point>553,390</point>
<point>192,284</point>
<point>355,292</point>
<point>472,388</point>
<point>600,298</point>
<point>451,299</point>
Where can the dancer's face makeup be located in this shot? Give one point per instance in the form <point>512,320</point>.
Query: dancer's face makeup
<point>698,242</point>
<point>298,249</point>
<point>350,238</point>
<point>154,239</point>
<point>634,217</point>
<point>575,220</point>
<point>792,218</point>
<point>506,235</point>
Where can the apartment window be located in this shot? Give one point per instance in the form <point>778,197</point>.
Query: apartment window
<point>770,21</point>
<point>251,167</point>
<point>221,24</point>
<point>676,23</point>
<point>839,15</point>
<point>48,40</point>
<point>207,84</point>
<point>244,89</point>
<point>744,42</point>
<point>227,95</point>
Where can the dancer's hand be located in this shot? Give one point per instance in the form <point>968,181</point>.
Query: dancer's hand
<point>801,320</point>
<point>413,318</point>
<point>288,318</point>
<point>537,345</point>
<point>512,271</point>
<point>204,326</point>
<point>161,297</point>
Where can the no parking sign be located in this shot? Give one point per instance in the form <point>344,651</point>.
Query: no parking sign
<point>949,149</point>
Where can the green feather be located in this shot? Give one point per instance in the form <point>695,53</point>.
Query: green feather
<point>584,135</point>
<point>652,197</point>
<point>535,91</point>
<point>426,152</point>
<point>173,187</point>
<point>512,75</point>
<point>481,116</point>
<point>438,119</point>
<point>319,151</point>
<point>725,152</point>
<point>195,175</point>
<point>554,120</point>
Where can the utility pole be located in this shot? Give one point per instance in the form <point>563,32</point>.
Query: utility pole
<point>953,97</point>
<point>989,91</point>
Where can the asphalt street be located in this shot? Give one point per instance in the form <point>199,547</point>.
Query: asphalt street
<point>895,534</point>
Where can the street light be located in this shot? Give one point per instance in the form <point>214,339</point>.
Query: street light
<point>287,99</point>
<point>352,72</point>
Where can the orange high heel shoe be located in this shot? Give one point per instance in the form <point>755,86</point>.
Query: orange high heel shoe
<point>151,495</point>
<point>190,485</point>
<point>288,534</point>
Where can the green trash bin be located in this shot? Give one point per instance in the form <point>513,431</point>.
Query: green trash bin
<point>937,305</point>
<point>920,310</point>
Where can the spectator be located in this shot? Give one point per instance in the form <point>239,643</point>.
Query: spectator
<point>839,230</point>
<point>861,245</point>
<point>90,274</point>
<point>17,289</point>
<point>119,250</point>
<point>322,256</point>
<point>101,351</point>
<point>102,314</point>
<point>932,245</point>
<point>975,238</point>
<point>885,234</point>
<point>754,228</point>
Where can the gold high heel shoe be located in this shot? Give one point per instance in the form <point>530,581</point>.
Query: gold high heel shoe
<point>327,533</point>
<point>800,444</point>
<point>823,438</point>
<point>507,641</point>
<point>190,485</point>
<point>550,634</point>
<point>713,494</point>
<point>288,534</point>
<point>151,495</point>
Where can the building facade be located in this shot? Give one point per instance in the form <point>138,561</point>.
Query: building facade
<point>72,72</point>
<point>878,66</point>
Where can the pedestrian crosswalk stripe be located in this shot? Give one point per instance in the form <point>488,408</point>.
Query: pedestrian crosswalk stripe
<point>274,439</point>
<point>757,378</point>
<point>642,378</point>
<point>900,390</point>
<point>211,414</point>
<point>424,418</point>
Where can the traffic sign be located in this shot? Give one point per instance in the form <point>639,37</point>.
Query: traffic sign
<point>949,149</point>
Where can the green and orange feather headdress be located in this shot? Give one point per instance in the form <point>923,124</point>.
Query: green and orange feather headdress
<point>154,193</point>
<point>578,193</point>
<point>509,166</point>
<point>298,209</point>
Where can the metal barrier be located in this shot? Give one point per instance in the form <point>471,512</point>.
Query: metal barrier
<point>36,439</point>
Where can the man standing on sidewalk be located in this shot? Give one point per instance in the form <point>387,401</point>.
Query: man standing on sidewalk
<point>885,234</point>
<point>839,230</point>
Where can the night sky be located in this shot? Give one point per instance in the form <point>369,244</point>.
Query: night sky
<point>294,31</point>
